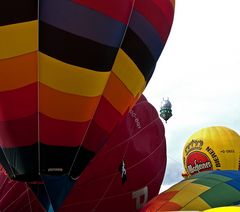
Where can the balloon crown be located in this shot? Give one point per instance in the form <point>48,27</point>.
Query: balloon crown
<point>195,144</point>
<point>166,104</point>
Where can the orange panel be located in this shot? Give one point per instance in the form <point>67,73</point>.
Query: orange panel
<point>118,94</point>
<point>64,106</point>
<point>18,71</point>
<point>168,195</point>
<point>160,201</point>
<point>170,206</point>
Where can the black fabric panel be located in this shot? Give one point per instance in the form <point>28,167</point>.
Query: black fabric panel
<point>75,50</point>
<point>16,11</point>
<point>23,162</point>
<point>57,160</point>
<point>135,48</point>
<point>84,156</point>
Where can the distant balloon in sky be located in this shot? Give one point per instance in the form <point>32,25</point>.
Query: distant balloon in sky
<point>202,191</point>
<point>212,148</point>
<point>70,71</point>
<point>166,109</point>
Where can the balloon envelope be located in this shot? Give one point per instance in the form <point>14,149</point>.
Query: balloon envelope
<point>202,191</point>
<point>68,76</point>
<point>212,148</point>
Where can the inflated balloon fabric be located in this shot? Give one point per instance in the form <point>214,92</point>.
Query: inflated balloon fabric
<point>212,148</point>
<point>70,70</point>
<point>202,191</point>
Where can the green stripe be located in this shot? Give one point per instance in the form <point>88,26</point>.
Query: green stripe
<point>207,182</point>
<point>221,195</point>
<point>220,178</point>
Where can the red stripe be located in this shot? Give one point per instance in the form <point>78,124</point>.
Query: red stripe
<point>167,9</point>
<point>60,132</point>
<point>104,121</point>
<point>19,132</point>
<point>119,10</point>
<point>18,103</point>
<point>106,115</point>
<point>95,138</point>
<point>159,13</point>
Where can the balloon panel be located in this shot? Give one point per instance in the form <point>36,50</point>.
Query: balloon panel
<point>210,149</point>
<point>200,192</point>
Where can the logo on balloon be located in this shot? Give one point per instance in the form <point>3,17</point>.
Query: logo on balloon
<point>136,119</point>
<point>141,197</point>
<point>195,144</point>
<point>197,162</point>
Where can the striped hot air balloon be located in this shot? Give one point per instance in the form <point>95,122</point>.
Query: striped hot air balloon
<point>70,70</point>
<point>202,191</point>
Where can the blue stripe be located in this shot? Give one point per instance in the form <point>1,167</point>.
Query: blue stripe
<point>82,21</point>
<point>235,184</point>
<point>147,33</point>
<point>228,173</point>
<point>57,187</point>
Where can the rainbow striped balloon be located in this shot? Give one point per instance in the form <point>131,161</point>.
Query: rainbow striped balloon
<point>202,191</point>
<point>69,72</point>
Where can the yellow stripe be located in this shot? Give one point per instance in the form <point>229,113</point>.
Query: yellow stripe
<point>196,204</point>
<point>69,107</point>
<point>128,73</point>
<point>189,192</point>
<point>18,39</point>
<point>71,79</point>
<point>181,185</point>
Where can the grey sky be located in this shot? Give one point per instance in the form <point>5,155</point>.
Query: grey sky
<point>199,70</point>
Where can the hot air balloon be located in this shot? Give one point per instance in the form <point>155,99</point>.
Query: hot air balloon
<point>166,109</point>
<point>202,191</point>
<point>139,142</point>
<point>68,76</point>
<point>212,148</point>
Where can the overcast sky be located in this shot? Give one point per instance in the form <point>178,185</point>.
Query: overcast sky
<point>199,70</point>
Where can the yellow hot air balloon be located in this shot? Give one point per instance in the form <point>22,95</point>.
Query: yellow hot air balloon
<point>212,148</point>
